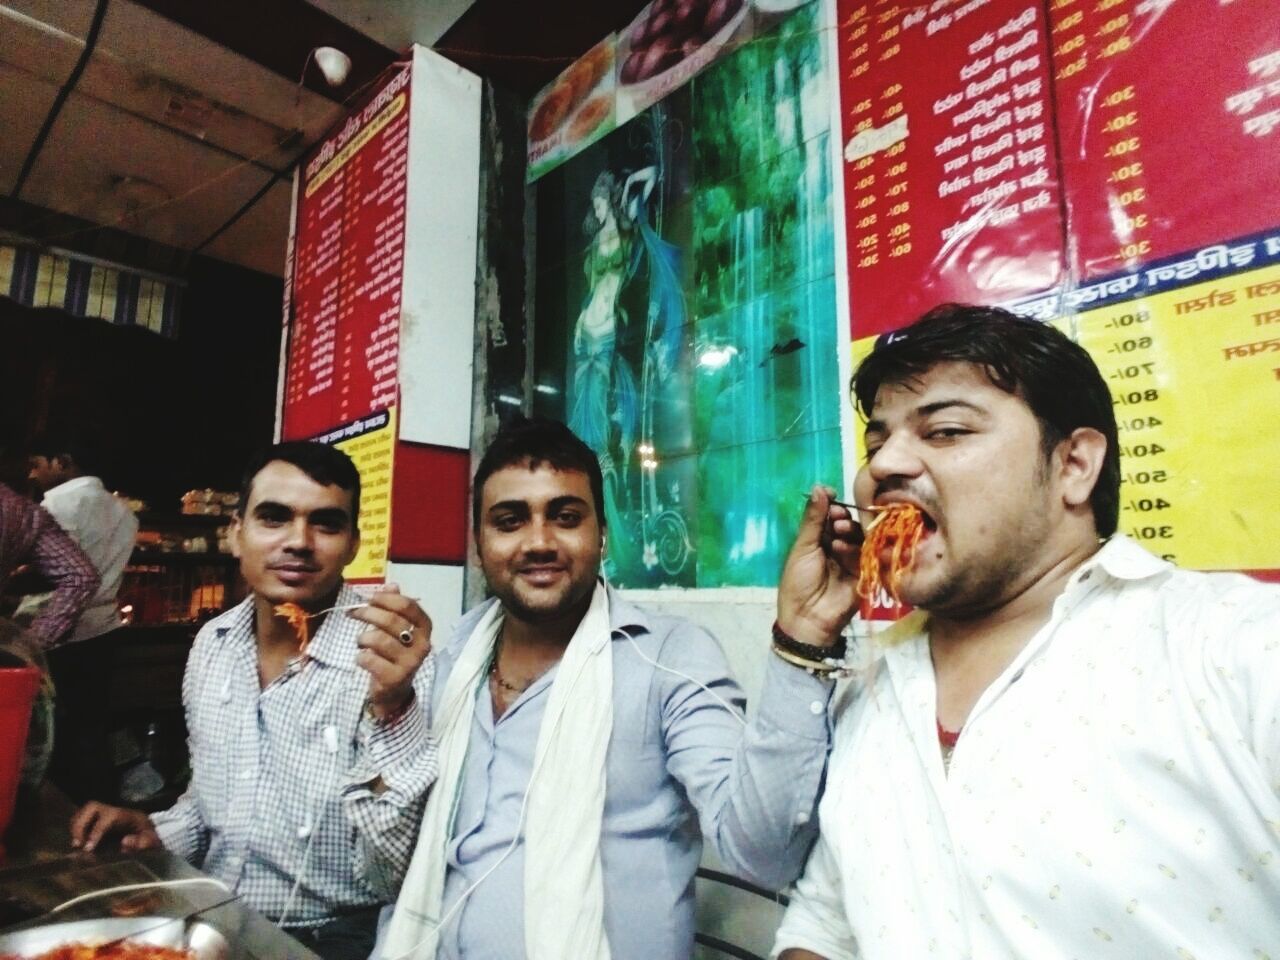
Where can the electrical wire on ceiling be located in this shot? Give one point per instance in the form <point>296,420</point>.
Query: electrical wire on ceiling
<point>259,159</point>
<point>90,41</point>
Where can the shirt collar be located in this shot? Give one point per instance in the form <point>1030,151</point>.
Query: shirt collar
<point>237,623</point>
<point>335,642</point>
<point>75,484</point>
<point>1122,559</point>
<point>625,619</point>
<point>1119,558</point>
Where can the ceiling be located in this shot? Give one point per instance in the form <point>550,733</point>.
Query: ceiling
<point>180,122</point>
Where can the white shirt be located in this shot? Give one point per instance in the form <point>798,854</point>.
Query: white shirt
<point>103,527</point>
<point>1112,795</point>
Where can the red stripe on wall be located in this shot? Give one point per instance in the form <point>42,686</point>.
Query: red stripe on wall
<point>1267,576</point>
<point>429,504</point>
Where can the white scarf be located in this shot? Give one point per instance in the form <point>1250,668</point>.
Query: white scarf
<point>563,886</point>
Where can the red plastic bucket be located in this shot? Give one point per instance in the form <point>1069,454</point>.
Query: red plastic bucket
<point>18,689</point>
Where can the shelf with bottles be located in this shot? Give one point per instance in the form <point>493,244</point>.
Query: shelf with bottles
<point>178,592</point>
<point>181,569</point>
<point>179,538</point>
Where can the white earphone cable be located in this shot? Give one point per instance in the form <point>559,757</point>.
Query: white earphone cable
<point>733,711</point>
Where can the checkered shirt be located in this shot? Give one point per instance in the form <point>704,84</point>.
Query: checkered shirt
<point>28,534</point>
<point>272,765</point>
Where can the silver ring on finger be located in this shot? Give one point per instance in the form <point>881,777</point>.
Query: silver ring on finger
<point>406,637</point>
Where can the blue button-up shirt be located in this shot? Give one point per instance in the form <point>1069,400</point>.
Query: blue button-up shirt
<point>677,762</point>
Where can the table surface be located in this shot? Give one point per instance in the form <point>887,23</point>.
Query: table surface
<point>42,871</point>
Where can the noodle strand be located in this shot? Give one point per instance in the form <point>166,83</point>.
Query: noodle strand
<point>296,618</point>
<point>899,530</point>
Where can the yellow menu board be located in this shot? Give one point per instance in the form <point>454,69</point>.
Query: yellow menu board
<point>1195,376</point>
<point>371,446</point>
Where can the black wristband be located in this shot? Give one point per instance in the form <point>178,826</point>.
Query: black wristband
<point>808,651</point>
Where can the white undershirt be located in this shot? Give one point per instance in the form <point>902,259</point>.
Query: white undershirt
<point>103,527</point>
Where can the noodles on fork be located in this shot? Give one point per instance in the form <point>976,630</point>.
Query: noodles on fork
<point>297,618</point>
<point>897,529</point>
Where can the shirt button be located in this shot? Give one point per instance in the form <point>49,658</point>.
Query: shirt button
<point>802,818</point>
<point>817,707</point>
<point>246,774</point>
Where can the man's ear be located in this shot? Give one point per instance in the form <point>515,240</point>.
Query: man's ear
<point>233,533</point>
<point>1081,455</point>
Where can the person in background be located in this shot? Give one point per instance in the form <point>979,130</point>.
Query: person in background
<point>310,759</point>
<point>63,469</point>
<point>1071,748</point>
<point>584,742</point>
<point>29,536</point>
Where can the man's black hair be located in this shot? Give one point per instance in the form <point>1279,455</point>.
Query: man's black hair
<point>1058,380</point>
<point>67,444</point>
<point>533,442</point>
<point>13,460</point>
<point>327,466</point>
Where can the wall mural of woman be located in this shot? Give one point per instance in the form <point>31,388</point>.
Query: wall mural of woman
<point>606,406</point>
<point>602,378</point>
<point>685,318</point>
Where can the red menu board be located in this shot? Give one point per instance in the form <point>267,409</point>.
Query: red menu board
<point>1147,229</point>
<point>951,183</point>
<point>1168,116</point>
<point>349,251</point>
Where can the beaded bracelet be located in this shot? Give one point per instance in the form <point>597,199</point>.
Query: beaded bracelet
<point>812,667</point>
<point>808,651</point>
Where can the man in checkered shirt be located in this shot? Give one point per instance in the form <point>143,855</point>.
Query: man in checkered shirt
<point>309,767</point>
<point>29,535</point>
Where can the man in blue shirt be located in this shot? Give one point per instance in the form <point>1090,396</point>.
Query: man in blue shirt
<point>587,748</point>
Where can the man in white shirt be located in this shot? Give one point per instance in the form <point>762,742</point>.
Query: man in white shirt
<point>99,522</point>
<point>1111,791</point>
<point>102,525</point>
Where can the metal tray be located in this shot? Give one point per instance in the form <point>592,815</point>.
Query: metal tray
<point>202,940</point>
